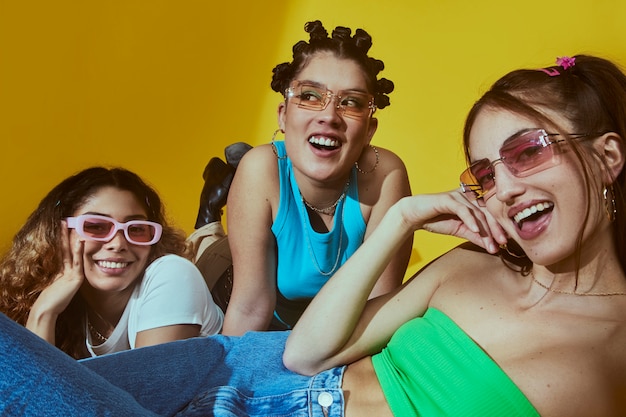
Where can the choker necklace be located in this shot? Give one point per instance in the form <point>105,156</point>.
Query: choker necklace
<point>96,333</point>
<point>330,209</point>
<point>597,294</point>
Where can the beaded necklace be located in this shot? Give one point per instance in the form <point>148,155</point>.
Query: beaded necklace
<point>92,329</point>
<point>94,332</point>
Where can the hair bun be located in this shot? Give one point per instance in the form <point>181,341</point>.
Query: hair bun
<point>344,46</point>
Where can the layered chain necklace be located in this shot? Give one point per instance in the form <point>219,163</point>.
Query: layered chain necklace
<point>337,226</point>
<point>330,210</point>
<point>596,294</point>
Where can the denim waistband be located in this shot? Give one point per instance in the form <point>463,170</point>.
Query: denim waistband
<point>322,398</point>
<point>326,396</point>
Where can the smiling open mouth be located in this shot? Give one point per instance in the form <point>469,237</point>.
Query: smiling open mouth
<point>532,213</point>
<point>112,265</point>
<point>323,143</point>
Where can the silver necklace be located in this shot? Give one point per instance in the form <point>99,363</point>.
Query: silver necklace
<point>338,224</point>
<point>597,294</point>
<point>326,210</point>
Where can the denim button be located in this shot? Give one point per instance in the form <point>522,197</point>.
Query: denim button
<point>325,399</point>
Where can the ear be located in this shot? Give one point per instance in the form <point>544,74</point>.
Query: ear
<point>281,113</point>
<point>611,149</point>
<point>371,129</point>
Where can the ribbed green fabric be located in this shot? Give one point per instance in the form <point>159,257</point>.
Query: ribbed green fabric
<point>432,368</point>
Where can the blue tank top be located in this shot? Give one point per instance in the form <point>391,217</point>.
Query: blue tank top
<point>306,258</point>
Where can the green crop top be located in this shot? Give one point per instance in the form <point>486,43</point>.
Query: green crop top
<point>433,368</point>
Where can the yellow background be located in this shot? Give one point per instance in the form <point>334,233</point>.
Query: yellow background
<point>160,86</point>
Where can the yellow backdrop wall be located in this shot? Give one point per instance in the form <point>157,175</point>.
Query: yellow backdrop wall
<point>160,86</point>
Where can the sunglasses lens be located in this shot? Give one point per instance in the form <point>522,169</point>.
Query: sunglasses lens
<point>469,184</point>
<point>528,153</point>
<point>308,96</point>
<point>101,228</point>
<point>525,154</point>
<point>482,171</point>
<point>141,232</point>
<point>479,178</point>
<point>353,104</point>
<point>97,228</point>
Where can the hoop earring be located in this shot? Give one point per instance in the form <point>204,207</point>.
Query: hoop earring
<point>356,164</point>
<point>505,247</point>
<point>609,202</point>
<point>274,146</point>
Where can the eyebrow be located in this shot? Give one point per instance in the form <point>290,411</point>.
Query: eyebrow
<point>126,219</point>
<point>507,140</point>
<point>320,85</point>
<point>519,133</point>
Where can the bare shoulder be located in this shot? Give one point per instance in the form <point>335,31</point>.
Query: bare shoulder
<point>257,168</point>
<point>463,260</point>
<point>388,162</point>
<point>386,184</point>
<point>256,180</point>
<point>259,157</point>
<point>465,276</point>
<point>450,269</point>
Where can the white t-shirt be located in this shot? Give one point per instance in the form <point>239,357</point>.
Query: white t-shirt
<point>171,292</point>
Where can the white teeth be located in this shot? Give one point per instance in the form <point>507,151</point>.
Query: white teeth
<point>323,141</point>
<point>112,265</point>
<point>529,211</point>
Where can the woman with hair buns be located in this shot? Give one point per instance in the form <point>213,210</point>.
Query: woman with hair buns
<point>299,208</point>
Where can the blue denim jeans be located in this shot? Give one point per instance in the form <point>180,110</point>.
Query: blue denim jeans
<point>213,376</point>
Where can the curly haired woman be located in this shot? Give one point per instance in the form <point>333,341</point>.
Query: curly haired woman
<point>97,269</point>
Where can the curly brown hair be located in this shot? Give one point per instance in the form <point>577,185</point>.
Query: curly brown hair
<point>35,258</point>
<point>342,45</point>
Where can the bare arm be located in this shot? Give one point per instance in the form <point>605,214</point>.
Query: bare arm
<point>54,299</point>
<point>252,243</point>
<point>166,334</point>
<point>361,328</point>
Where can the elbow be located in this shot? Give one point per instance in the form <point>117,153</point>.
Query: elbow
<point>297,364</point>
<point>301,360</point>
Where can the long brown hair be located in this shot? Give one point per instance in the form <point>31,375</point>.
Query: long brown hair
<point>591,95</point>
